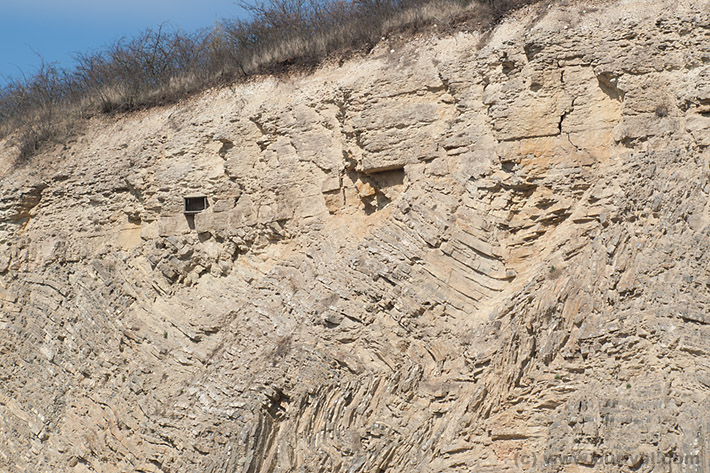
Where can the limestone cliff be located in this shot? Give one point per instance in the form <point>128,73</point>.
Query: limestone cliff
<point>462,252</point>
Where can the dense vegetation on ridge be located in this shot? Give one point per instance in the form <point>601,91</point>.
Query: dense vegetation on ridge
<point>161,66</point>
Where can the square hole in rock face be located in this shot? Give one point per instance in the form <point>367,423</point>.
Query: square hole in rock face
<point>195,204</point>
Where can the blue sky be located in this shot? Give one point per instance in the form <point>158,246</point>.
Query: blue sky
<point>56,29</point>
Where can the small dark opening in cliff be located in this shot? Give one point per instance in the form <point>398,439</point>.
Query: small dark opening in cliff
<point>388,178</point>
<point>377,189</point>
<point>195,204</point>
<point>608,84</point>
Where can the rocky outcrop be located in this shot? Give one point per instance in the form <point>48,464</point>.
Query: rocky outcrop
<point>473,252</point>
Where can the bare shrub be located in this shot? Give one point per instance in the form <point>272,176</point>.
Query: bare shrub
<point>281,349</point>
<point>661,110</point>
<point>161,66</point>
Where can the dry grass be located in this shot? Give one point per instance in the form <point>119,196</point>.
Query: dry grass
<point>161,66</point>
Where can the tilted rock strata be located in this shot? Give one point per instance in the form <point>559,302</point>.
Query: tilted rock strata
<point>471,252</point>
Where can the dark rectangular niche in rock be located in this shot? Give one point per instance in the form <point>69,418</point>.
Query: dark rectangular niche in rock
<point>195,204</point>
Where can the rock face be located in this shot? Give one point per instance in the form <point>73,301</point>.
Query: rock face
<point>463,253</point>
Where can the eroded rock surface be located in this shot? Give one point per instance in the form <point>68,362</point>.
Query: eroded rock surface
<point>473,253</point>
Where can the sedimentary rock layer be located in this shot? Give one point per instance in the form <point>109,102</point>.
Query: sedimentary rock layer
<point>463,252</point>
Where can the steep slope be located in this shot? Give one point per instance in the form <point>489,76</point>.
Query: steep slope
<point>460,253</point>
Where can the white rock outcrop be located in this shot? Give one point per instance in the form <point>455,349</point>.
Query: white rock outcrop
<point>479,252</point>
